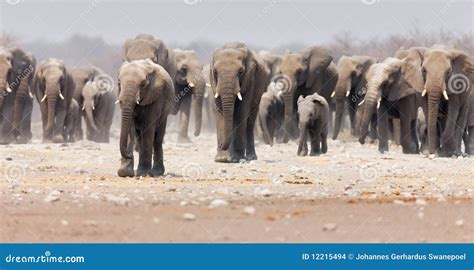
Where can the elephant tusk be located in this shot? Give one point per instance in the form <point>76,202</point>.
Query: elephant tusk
<point>216,95</point>
<point>362,102</point>
<point>138,102</point>
<point>191,84</point>
<point>208,85</point>
<point>445,95</point>
<point>117,101</point>
<point>84,107</point>
<point>93,107</point>
<point>30,94</point>
<point>333,93</point>
<point>378,103</point>
<point>348,92</point>
<point>9,90</point>
<point>61,96</point>
<point>44,98</point>
<point>280,93</point>
<point>423,93</point>
<point>239,96</point>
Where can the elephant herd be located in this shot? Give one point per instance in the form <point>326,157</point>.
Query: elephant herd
<point>421,98</point>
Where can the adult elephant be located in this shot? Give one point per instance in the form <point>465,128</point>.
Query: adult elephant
<point>81,76</point>
<point>238,79</point>
<point>301,74</point>
<point>350,88</point>
<point>448,75</point>
<point>190,86</point>
<point>272,62</point>
<point>99,106</point>
<point>17,69</point>
<point>145,94</point>
<point>54,88</point>
<point>393,90</point>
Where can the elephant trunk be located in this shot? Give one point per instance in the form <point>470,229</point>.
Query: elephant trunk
<point>198,99</point>
<point>367,111</point>
<point>264,124</point>
<point>340,102</point>
<point>128,106</point>
<point>228,103</point>
<point>52,101</point>
<point>433,104</point>
<point>288,101</point>
<point>90,114</point>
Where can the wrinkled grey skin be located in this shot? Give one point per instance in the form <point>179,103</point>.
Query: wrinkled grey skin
<point>236,71</point>
<point>310,71</point>
<point>272,62</point>
<point>145,94</point>
<point>99,106</point>
<point>190,86</point>
<point>17,69</point>
<point>468,137</point>
<point>81,76</point>
<point>271,114</point>
<point>349,89</point>
<point>313,112</point>
<point>439,66</point>
<point>393,89</point>
<point>54,88</point>
<point>73,116</point>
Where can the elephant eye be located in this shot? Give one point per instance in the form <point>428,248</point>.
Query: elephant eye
<point>423,70</point>
<point>241,71</point>
<point>448,72</point>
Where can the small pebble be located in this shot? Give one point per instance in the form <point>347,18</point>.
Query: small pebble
<point>189,216</point>
<point>219,203</point>
<point>249,210</point>
<point>329,227</point>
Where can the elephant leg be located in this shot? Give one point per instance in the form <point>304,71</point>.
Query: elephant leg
<point>406,138</point>
<point>470,141</point>
<point>352,107</point>
<point>184,112</point>
<point>250,153</point>
<point>7,126</point>
<point>25,125</point>
<point>340,104</point>
<point>239,141</point>
<point>373,128</point>
<point>145,148</point>
<point>461,125</point>
<point>58,130</point>
<point>414,136</point>
<point>448,136</point>
<point>158,165</point>
<point>397,131</point>
<point>315,135</point>
<point>324,141</point>
<point>382,125</point>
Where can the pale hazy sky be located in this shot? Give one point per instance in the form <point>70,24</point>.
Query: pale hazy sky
<point>266,23</point>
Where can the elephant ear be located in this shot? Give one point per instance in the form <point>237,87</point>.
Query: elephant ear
<point>38,84</point>
<point>248,81</point>
<point>126,47</point>
<point>319,99</point>
<point>411,77</point>
<point>461,63</point>
<point>149,95</point>
<point>317,59</point>
<point>69,86</point>
<point>300,99</point>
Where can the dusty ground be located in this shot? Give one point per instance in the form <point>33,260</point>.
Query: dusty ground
<point>70,193</point>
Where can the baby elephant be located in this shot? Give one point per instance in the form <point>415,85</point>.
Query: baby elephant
<point>313,114</point>
<point>145,95</point>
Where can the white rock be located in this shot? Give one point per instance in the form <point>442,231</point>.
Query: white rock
<point>219,203</point>
<point>116,200</point>
<point>459,222</point>
<point>189,216</point>
<point>183,203</point>
<point>329,227</point>
<point>420,202</point>
<point>249,210</point>
<point>64,222</point>
<point>156,220</point>
<point>53,196</point>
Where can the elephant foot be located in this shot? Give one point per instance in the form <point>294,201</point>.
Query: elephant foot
<point>236,157</point>
<point>251,156</point>
<point>362,140</point>
<point>302,151</point>
<point>315,153</point>
<point>222,156</point>
<point>184,140</point>
<point>58,139</point>
<point>157,170</point>
<point>383,149</point>
<point>324,149</point>
<point>126,168</point>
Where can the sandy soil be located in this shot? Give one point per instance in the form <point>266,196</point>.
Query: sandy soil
<point>70,193</point>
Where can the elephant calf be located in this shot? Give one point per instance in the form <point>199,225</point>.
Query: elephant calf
<point>145,94</point>
<point>73,117</point>
<point>313,113</point>
<point>271,113</point>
